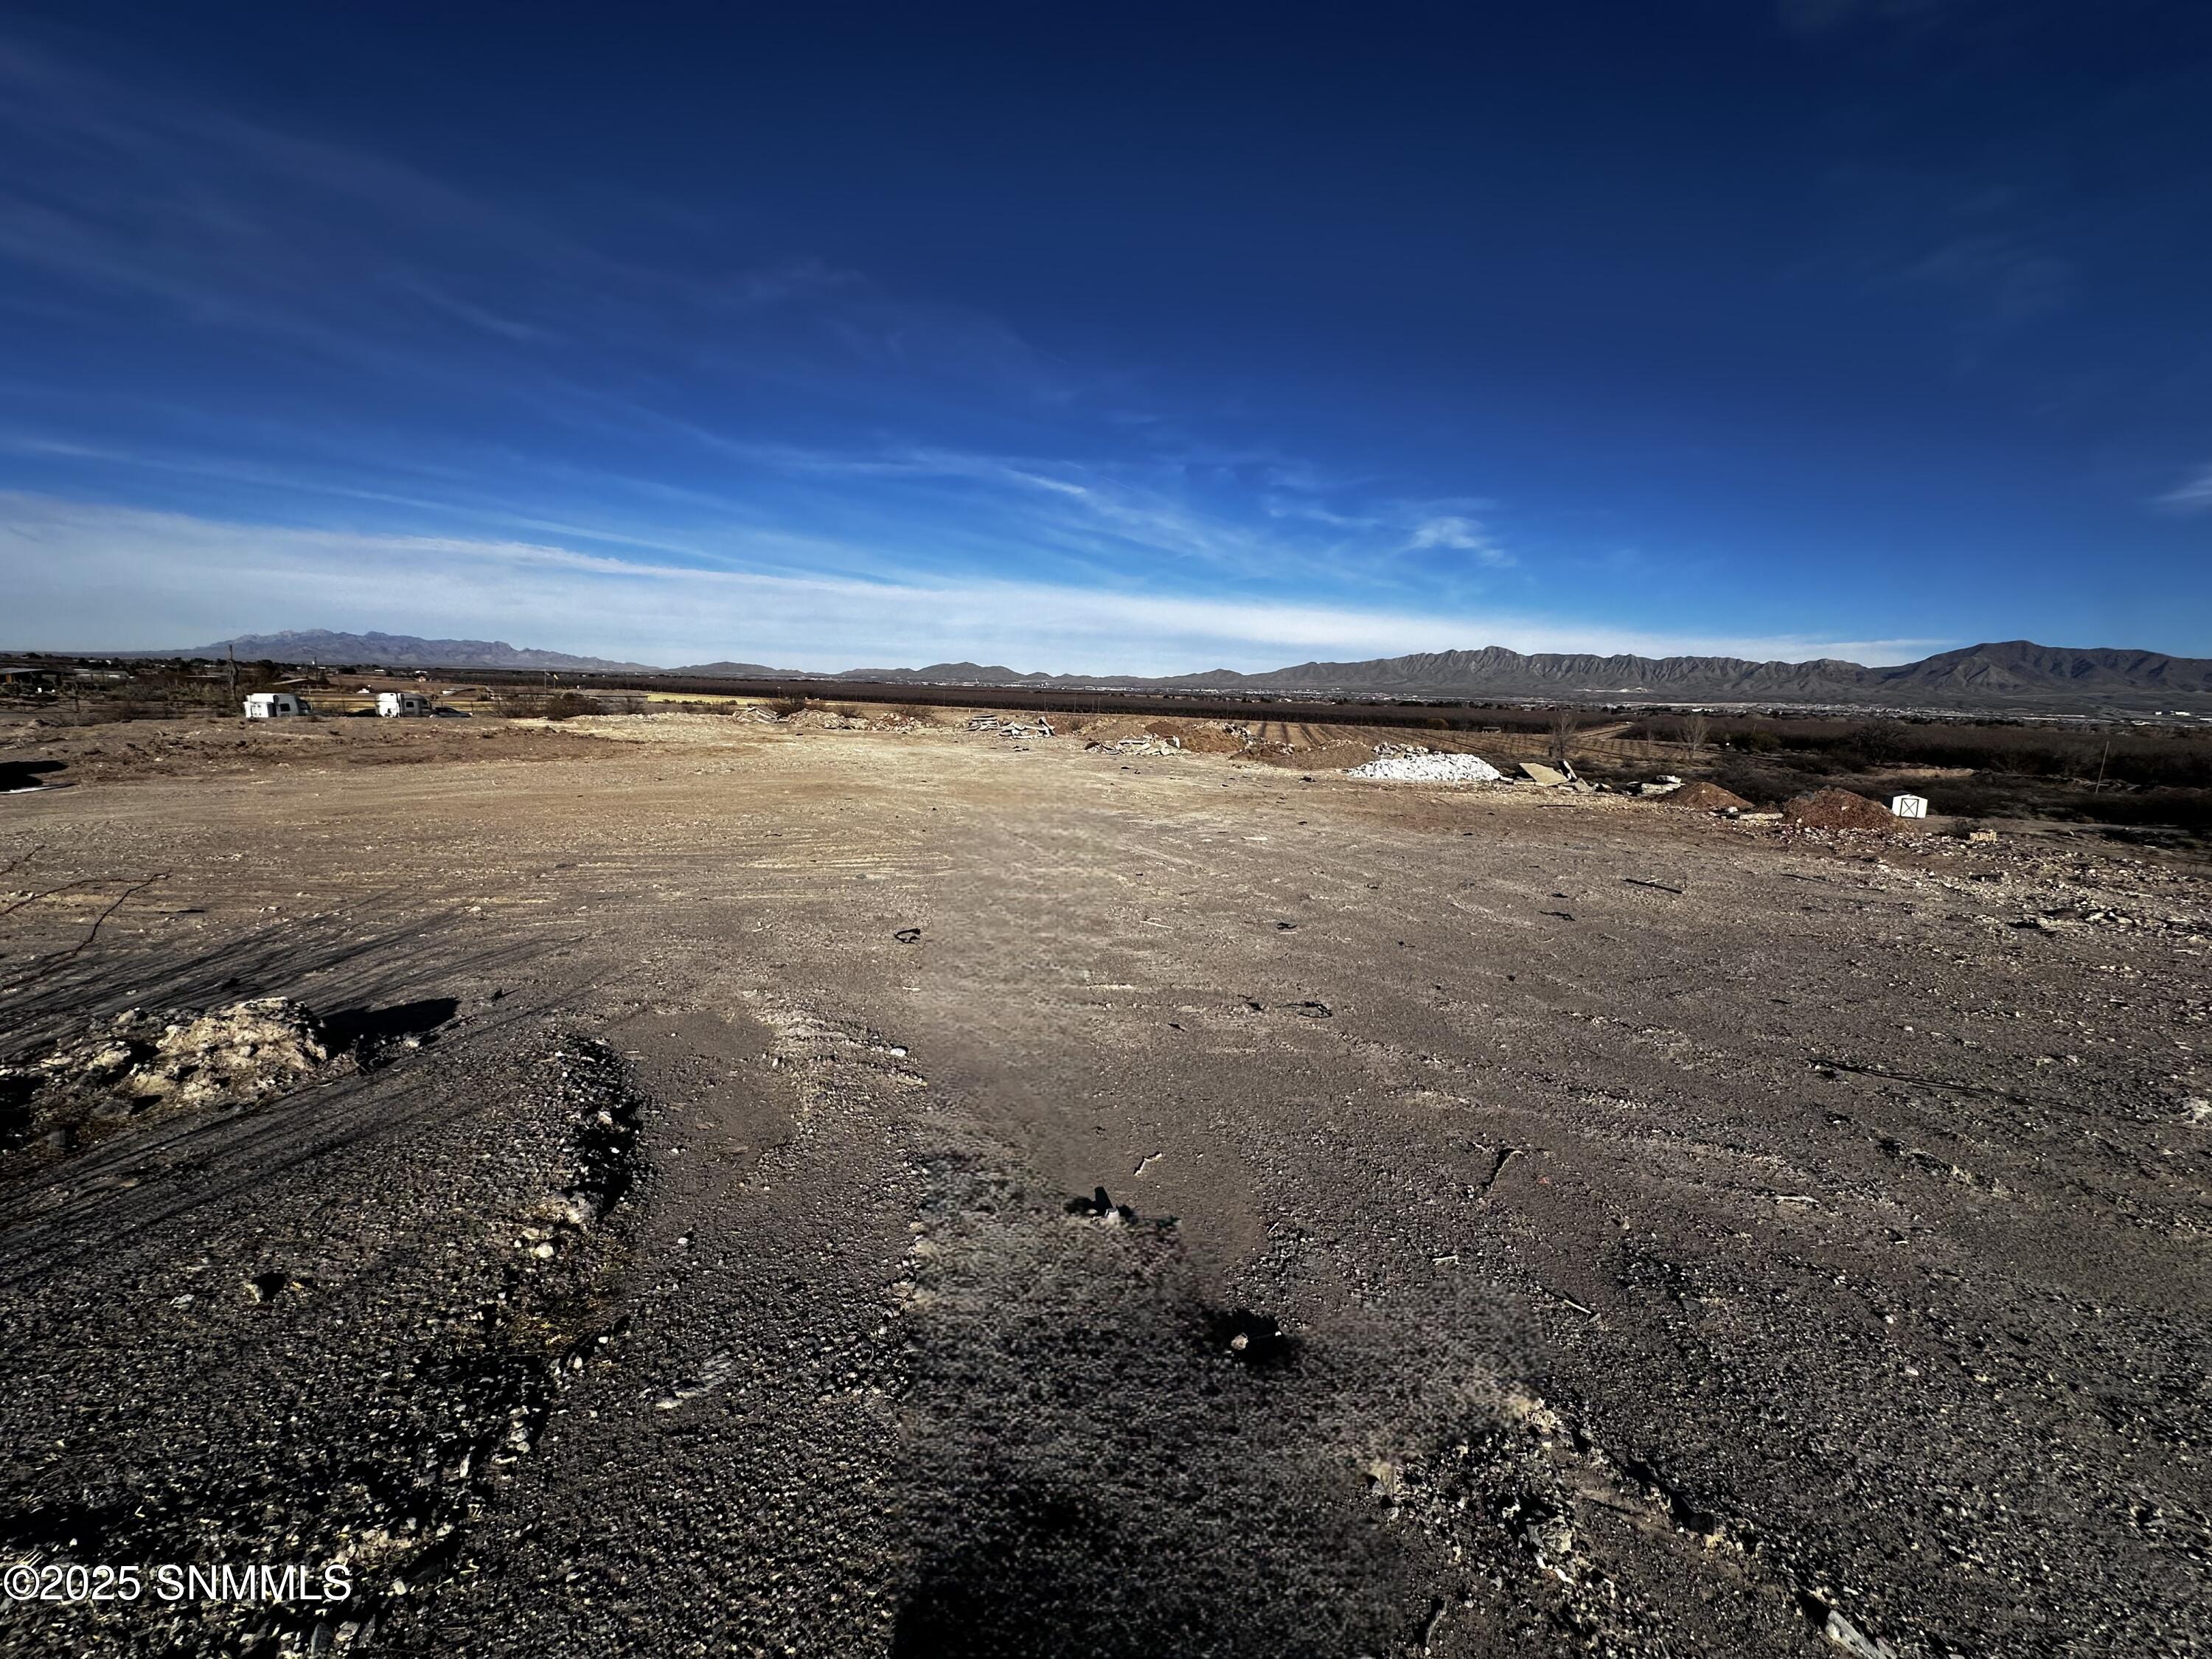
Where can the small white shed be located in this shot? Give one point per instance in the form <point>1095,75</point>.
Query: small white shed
<point>403,705</point>
<point>275,705</point>
<point>1909,806</point>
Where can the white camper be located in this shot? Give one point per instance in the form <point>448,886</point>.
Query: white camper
<point>276,705</point>
<point>404,705</point>
<point>1909,806</point>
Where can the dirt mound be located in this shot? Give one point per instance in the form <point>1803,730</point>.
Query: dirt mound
<point>1110,728</point>
<point>825,720</point>
<point>1837,809</point>
<point>1204,737</point>
<point>1706,798</point>
<point>138,1062</point>
<point>1327,757</point>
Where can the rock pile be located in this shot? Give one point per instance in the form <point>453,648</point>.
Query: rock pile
<point>1835,809</point>
<point>1415,765</point>
<point>1135,746</point>
<point>138,1062</point>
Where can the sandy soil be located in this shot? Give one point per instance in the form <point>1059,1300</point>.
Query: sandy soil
<point>1533,1223</point>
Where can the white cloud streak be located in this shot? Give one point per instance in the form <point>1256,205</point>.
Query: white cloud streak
<point>2192,495</point>
<point>89,576</point>
<point>1462,535</point>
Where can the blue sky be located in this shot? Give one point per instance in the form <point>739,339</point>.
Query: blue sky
<point>1148,339</point>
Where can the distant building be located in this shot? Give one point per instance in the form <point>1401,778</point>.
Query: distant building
<point>1909,806</point>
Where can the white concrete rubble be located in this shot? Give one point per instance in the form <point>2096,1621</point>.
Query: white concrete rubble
<point>1420,766</point>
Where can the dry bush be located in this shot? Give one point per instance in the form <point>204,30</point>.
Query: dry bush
<point>785,707</point>
<point>1564,724</point>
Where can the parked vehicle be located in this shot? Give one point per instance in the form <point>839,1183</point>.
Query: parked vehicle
<point>404,704</point>
<point>278,705</point>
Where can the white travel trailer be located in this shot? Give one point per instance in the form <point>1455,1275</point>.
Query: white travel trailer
<point>404,705</point>
<point>276,705</point>
<point>1909,806</point>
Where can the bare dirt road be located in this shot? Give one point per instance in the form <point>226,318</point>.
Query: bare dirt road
<point>1531,1223</point>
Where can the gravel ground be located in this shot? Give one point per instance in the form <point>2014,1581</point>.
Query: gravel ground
<point>843,1192</point>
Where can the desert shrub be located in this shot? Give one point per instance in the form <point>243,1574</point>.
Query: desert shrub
<point>2183,809</point>
<point>785,707</point>
<point>1762,784</point>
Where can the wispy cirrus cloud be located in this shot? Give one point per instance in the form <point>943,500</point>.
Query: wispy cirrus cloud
<point>2192,495</point>
<point>754,438</point>
<point>1460,534</point>
<point>777,405</point>
<point>137,190</point>
<point>153,579</point>
<point>2011,282</point>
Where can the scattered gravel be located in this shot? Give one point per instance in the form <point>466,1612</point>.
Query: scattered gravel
<point>1799,1252</point>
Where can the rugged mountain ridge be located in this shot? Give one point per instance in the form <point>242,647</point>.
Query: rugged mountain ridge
<point>968,673</point>
<point>2001,674</point>
<point>1497,670</point>
<point>400,651</point>
<point>2005,672</point>
<point>735,671</point>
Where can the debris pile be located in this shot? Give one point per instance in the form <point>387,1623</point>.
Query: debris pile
<point>138,1062</point>
<point>1039,727</point>
<point>1209,737</point>
<point>1414,764</point>
<point>1835,809</point>
<point>1702,797</point>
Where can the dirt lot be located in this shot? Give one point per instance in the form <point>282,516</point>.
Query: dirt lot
<point>1533,1222</point>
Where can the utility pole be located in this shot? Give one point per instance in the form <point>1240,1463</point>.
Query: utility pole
<point>2101,759</point>
<point>233,671</point>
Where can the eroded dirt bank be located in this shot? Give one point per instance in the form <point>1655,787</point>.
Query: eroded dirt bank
<point>1531,1223</point>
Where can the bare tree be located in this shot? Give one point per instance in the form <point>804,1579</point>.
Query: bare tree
<point>1564,727</point>
<point>1696,732</point>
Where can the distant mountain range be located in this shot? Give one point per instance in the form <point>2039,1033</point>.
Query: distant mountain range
<point>2012,674</point>
<point>320,644</point>
<point>2013,670</point>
